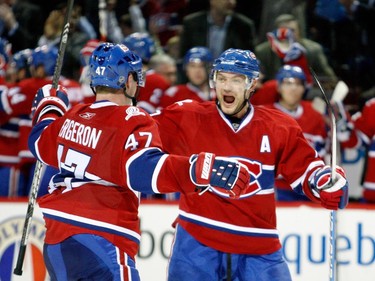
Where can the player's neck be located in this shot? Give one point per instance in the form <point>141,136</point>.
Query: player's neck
<point>119,99</point>
<point>288,106</point>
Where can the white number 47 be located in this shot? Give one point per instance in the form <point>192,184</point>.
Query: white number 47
<point>100,70</point>
<point>132,142</point>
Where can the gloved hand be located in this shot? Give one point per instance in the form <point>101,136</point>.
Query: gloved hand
<point>231,176</point>
<point>343,124</point>
<point>285,46</point>
<point>281,40</point>
<point>295,51</point>
<point>48,99</point>
<point>333,195</point>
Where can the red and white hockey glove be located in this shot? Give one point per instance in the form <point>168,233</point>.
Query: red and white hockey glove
<point>281,40</point>
<point>208,170</point>
<point>332,195</point>
<point>48,100</point>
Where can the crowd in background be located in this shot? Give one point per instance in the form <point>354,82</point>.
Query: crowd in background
<point>335,38</point>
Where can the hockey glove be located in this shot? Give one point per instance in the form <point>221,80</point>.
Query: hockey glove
<point>344,125</point>
<point>207,170</point>
<point>332,195</point>
<point>281,40</point>
<point>47,100</point>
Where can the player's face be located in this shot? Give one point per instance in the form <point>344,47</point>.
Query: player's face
<point>196,72</point>
<point>169,72</point>
<point>291,92</point>
<point>230,91</point>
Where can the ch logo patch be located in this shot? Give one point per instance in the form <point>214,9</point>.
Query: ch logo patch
<point>133,111</point>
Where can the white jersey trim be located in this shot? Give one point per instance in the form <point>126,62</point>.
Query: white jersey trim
<point>227,225</point>
<point>92,222</point>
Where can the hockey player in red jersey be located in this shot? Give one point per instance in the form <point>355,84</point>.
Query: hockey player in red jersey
<point>292,86</point>
<point>17,102</point>
<point>213,230</point>
<point>364,124</point>
<point>10,176</point>
<point>107,152</point>
<point>197,63</point>
<point>144,46</point>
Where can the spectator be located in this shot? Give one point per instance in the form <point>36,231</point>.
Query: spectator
<point>218,28</point>
<point>76,38</point>
<point>21,23</point>
<point>302,51</point>
<point>109,28</point>
<point>271,9</point>
<point>168,21</point>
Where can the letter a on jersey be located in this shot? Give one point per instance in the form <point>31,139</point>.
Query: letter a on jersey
<point>265,145</point>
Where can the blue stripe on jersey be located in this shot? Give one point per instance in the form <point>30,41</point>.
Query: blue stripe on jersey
<point>91,226</point>
<point>13,127</point>
<point>267,179</point>
<point>35,134</point>
<point>372,146</point>
<point>229,230</point>
<point>143,169</point>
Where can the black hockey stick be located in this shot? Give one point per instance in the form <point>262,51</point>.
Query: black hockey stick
<point>38,166</point>
<point>333,214</point>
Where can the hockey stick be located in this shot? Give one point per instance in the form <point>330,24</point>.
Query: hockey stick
<point>38,166</point>
<point>103,20</point>
<point>333,214</point>
<point>339,94</point>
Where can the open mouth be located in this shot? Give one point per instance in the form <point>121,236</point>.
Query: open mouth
<point>229,99</point>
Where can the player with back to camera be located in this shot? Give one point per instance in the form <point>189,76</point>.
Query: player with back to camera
<point>215,232</point>
<point>107,153</point>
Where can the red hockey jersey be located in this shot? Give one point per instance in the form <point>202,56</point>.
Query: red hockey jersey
<point>185,92</point>
<point>106,155</point>
<point>313,128</point>
<point>150,94</point>
<point>268,142</point>
<point>364,122</point>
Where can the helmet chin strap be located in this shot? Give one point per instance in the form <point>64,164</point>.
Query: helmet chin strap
<point>134,99</point>
<point>136,94</point>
